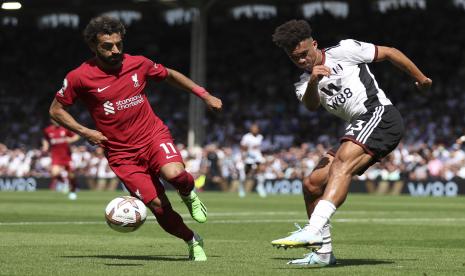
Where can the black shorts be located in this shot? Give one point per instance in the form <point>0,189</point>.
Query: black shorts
<point>378,132</point>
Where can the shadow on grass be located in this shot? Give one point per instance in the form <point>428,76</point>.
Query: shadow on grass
<point>124,264</point>
<point>169,258</point>
<point>342,263</point>
<point>172,258</point>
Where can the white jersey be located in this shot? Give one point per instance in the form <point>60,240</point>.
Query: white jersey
<point>253,145</point>
<point>351,89</point>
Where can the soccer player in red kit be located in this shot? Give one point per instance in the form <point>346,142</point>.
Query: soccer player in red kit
<point>57,140</point>
<point>138,145</point>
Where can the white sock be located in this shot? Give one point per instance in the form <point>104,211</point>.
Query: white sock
<point>321,215</point>
<point>327,245</point>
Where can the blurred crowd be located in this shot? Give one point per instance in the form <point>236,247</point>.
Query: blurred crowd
<point>255,81</point>
<point>223,168</point>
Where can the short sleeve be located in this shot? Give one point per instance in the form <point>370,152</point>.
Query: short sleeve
<point>67,94</point>
<point>359,52</point>
<point>69,133</point>
<point>244,141</point>
<point>301,86</point>
<point>45,133</point>
<point>156,71</point>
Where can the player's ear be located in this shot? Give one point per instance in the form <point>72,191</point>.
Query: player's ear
<point>315,44</point>
<point>92,47</point>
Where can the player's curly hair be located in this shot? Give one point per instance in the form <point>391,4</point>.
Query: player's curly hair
<point>102,25</point>
<point>291,33</point>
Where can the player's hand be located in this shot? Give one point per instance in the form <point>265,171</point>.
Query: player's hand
<point>424,85</point>
<point>213,102</point>
<point>94,137</point>
<point>460,140</point>
<point>319,71</point>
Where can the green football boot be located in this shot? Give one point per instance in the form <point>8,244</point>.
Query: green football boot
<point>196,208</point>
<point>196,252</point>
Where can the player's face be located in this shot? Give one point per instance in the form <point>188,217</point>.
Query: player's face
<point>109,49</point>
<point>254,129</point>
<point>304,55</point>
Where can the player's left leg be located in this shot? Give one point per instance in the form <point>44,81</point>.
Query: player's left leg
<point>147,187</point>
<point>176,175</point>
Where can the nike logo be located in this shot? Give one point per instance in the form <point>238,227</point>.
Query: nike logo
<point>101,89</point>
<point>171,156</point>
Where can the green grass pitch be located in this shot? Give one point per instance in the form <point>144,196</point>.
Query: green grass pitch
<point>43,233</point>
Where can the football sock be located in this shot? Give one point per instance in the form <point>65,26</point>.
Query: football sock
<point>53,183</point>
<point>172,222</point>
<point>72,184</point>
<point>184,183</point>
<point>327,245</point>
<point>321,215</point>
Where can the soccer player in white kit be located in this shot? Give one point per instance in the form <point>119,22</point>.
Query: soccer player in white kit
<point>251,144</point>
<point>338,78</point>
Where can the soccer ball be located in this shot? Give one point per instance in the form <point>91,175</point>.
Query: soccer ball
<point>125,214</point>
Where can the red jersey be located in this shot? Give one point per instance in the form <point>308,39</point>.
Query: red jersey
<point>117,102</point>
<point>57,137</point>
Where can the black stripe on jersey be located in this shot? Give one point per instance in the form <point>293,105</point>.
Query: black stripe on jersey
<point>372,92</point>
<point>329,48</point>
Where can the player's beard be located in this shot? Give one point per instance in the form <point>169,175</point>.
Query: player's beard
<point>112,61</point>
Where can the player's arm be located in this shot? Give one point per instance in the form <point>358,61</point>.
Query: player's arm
<point>179,80</point>
<point>460,140</point>
<point>58,113</point>
<point>73,139</point>
<point>402,62</point>
<point>311,98</point>
<point>45,145</point>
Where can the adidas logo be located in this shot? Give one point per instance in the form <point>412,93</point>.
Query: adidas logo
<point>350,132</point>
<point>108,107</point>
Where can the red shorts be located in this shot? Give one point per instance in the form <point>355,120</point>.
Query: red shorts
<point>140,172</point>
<point>66,164</point>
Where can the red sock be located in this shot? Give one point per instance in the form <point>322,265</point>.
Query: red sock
<point>184,183</point>
<point>172,222</point>
<point>53,182</point>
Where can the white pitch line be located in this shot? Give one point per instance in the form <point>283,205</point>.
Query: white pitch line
<point>227,214</point>
<point>254,221</point>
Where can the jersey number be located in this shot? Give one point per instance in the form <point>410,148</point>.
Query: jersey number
<point>357,127</point>
<point>168,150</point>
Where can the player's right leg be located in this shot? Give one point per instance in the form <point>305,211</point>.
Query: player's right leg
<point>55,174</point>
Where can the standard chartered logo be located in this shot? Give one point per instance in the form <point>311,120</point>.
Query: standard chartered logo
<point>122,104</point>
<point>108,107</point>
<point>129,102</point>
